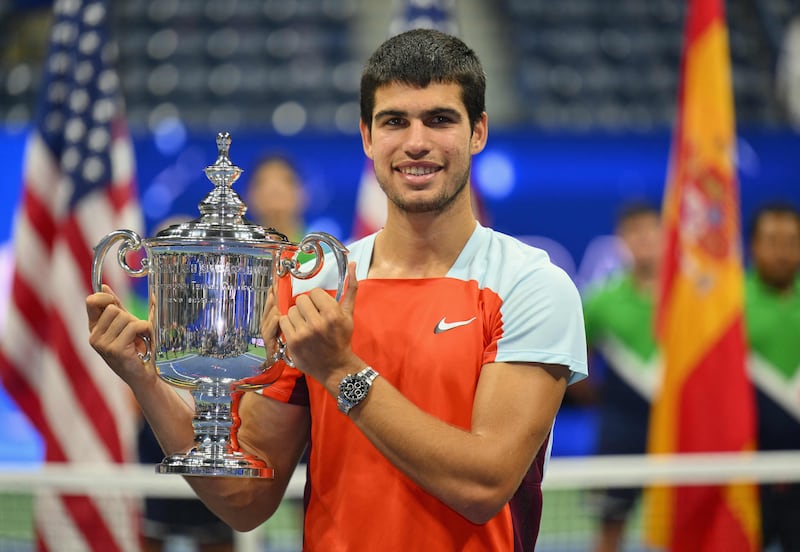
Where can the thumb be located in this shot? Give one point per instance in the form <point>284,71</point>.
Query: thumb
<point>351,289</point>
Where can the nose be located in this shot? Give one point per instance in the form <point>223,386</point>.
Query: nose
<point>417,140</point>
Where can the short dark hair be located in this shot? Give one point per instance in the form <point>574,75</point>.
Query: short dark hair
<point>278,158</point>
<point>772,208</point>
<point>419,57</point>
<point>635,208</point>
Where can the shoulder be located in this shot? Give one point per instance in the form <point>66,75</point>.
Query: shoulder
<point>510,267</point>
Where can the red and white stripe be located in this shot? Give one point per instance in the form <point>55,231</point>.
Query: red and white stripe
<point>80,407</point>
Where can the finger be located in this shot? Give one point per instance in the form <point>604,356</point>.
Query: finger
<point>287,327</point>
<point>110,291</point>
<point>351,290</point>
<point>118,326</point>
<point>96,304</point>
<point>271,304</point>
<point>106,327</point>
<point>132,334</point>
<point>308,307</point>
<point>97,324</point>
<point>269,326</point>
<point>296,318</point>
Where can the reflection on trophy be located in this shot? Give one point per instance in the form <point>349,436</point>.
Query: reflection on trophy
<point>208,282</point>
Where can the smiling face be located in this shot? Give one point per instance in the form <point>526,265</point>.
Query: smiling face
<point>422,145</point>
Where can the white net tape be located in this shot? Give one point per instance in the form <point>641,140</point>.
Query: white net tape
<point>567,524</point>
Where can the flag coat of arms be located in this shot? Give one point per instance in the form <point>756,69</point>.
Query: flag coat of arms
<point>706,403</point>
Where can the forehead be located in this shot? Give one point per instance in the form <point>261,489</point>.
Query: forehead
<point>275,171</point>
<point>638,220</point>
<point>407,98</point>
<point>784,223</point>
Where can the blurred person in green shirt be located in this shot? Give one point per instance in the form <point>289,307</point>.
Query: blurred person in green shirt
<point>772,315</point>
<point>618,314</point>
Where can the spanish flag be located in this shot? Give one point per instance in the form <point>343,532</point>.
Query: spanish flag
<point>706,402</point>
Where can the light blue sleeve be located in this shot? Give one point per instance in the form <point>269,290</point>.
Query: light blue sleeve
<point>541,312</point>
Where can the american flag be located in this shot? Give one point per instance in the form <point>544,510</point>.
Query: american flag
<point>371,201</point>
<point>78,186</point>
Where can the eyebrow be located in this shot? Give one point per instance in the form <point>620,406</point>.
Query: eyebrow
<point>425,114</point>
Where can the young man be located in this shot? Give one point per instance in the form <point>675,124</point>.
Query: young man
<point>460,340</point>
<point>772,313</point>
<point>619,327</point>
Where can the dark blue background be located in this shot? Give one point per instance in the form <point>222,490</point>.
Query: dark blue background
<point>566,187</point>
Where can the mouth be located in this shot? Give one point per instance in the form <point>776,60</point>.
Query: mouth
<point>418,174</point>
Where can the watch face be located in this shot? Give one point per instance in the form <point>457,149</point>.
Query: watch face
<point>354,388</point>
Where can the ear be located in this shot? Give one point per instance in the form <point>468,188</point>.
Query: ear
<point>480,133</point>
<point>366,137</point>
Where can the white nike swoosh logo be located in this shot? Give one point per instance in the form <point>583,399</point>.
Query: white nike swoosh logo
<point>443,326</point>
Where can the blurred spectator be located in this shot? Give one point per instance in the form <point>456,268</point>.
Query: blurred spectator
<point>772,312</point>
<point>619,327</point>
<point>276,197</point>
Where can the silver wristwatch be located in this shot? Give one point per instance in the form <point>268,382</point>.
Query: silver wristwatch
<point>354,388</point>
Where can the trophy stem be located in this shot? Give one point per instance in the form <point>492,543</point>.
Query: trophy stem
<point>213,454</point>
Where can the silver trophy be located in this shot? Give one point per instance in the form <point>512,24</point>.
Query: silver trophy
<point>208,282</point>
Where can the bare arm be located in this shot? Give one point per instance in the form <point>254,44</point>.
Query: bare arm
<point>274,431</point>
<point>114,334</point>
<point>475,472</point>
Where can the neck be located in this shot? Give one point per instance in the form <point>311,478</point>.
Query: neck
<point>421,245</point>
<point>783,287</point>
<point>645,279</point>
<point>289,226</point>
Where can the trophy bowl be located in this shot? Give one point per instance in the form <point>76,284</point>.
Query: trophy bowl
<point>208,283</point>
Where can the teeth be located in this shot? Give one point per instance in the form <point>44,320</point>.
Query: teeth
<point>417,171</point>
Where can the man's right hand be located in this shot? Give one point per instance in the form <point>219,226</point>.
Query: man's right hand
<point>116,336</point>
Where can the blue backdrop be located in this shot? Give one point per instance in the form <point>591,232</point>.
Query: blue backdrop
<point>563,187</point>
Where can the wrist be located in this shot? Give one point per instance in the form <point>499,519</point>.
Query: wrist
<point>338,370</point>
<point>145,380</point>
<point>354,388</point>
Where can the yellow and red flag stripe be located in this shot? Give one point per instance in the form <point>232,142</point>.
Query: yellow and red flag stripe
<point>706,402</point>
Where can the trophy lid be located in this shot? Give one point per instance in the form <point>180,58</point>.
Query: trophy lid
<point>222,210</point>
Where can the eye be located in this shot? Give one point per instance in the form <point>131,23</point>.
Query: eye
<point>393,122</point>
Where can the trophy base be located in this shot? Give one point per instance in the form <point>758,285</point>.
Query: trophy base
<point>229,464</point>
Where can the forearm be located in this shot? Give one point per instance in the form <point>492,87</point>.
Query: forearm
<point>171,420</point>
<point>273,431</point>
<point>477,469</point>
<point>115,335</point>
<point>466,471</point>
<point>167,414</point>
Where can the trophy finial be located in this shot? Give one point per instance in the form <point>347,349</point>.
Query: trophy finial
<point>223,172</point>
<point>223,144</point>
<point>222,201</point>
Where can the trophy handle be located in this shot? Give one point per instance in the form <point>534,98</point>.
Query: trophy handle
<point>312,244</point>
<point>133,242</point>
